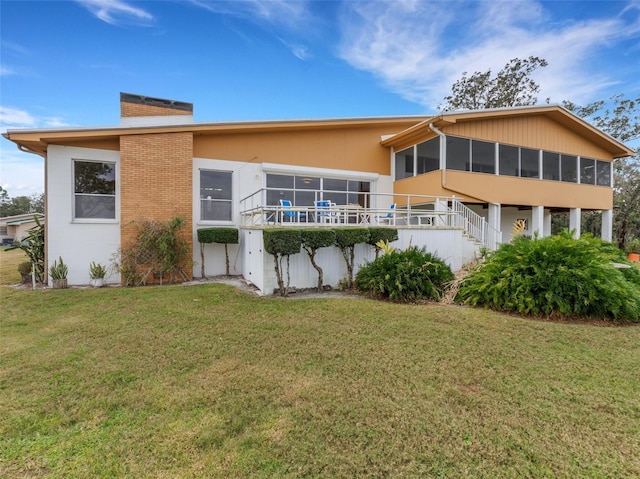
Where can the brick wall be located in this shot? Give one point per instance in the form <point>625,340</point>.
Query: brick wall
<point>136,109</point>
<point>156,182</point>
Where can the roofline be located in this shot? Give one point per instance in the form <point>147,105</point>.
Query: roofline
<point>620,150</point>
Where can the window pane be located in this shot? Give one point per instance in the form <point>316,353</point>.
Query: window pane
<point>429,155</point>
<point>483,156</point>
<point>587,171</point>
<point>337,198</point>
<point>307,183</point>
<point>457,153</point>
<point>333,184</point>
<point>89,206</point>
<point>529,165</point>
<point>279,181</point>
<point>569,168</point>
<point>603,173</point>
<point>215,210</point>
<point>550,166</point>
<point>508,160</point>
<point>92,177</point>
<point>215,185</point>
<point>404,163</point>
<point>305,198</point>
<point>215,195</point>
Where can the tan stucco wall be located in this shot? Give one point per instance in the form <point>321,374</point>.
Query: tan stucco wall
<point>506,190</point>
<point>353,148</point>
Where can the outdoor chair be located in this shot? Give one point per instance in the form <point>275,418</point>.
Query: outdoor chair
<point>289,213</point>
<point>324,212</point>
<point>389,218</point>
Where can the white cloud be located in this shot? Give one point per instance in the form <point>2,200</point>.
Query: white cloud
<point>419,49</point>
<point>6,71</point>
<point>117,12</point>
<point>284,18</point>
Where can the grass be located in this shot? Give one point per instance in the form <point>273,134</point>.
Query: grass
<point>206,381</point>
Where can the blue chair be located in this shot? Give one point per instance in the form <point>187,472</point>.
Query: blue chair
<point>323,211</point>
<point>389,218</point>
<point>290,213</point>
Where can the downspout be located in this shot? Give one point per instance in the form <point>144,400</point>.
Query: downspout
<point>443,154</point>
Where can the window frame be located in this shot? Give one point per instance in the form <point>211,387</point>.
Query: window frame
<point>201,219</point>
<point>115,195</point>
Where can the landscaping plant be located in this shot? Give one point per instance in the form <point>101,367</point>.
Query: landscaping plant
<point>281,243</point>
<point>312,241</point>
<point>557,275</point>
<point>381,235</point>
<point>346,240</point>
<point>33,246</point>
<point>406,276</point>
<point>217,235</point>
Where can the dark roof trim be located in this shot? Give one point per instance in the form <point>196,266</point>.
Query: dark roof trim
<point>151,101</point>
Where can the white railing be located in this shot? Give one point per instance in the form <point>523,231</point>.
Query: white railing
<point>475,225</point>
<point>370,209</point>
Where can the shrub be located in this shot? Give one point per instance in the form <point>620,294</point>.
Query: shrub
<point>160,249</point>
<point>378,234</point>
<point>24,268</point>
<point>407,276</point>
<point>58,270</point>
<point>217,235</point>
<point>557,275</point>
<point>312,241</point>
<point>346,240</point>
<point>281,243</point>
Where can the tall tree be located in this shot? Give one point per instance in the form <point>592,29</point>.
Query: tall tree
<point>21,204</point>
<point>511,86</point>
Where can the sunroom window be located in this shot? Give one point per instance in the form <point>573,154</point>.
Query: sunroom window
<point>94,189</point>
<point>458,154</point>
<point>404,163</point>
<point>569,168</point>
<point>587,171</point>
<point>603,172</point>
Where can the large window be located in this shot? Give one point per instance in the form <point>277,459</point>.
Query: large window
<point>550,166</point>
<point>458,154</point>
<point>94,189</point>
<point>216,195</point>
<point>304,190</point>
<point>428,155</point>
<point>529,163</point>
<point>569,168</point>
<point>404,163</point>
<point>587,171</point>
<point>603,173</point>
<point>509,160</point>
<point>483,156</point>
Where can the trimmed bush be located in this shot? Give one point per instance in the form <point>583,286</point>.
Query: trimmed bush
<point>217,235</point>
<point>346,240</point>
<point>406,276</point>
<point>557,275</point>
<point>281,243</point>
<point>312,241</point>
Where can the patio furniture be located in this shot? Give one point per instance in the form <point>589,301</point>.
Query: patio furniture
<point>326,212</point>
<point>390,217</point>
<point>290,213</point>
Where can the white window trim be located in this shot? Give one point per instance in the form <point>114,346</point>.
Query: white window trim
<point>76,220</point>
<point>230,222</point>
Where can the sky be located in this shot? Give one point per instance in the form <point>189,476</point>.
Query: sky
<point>64,63</point>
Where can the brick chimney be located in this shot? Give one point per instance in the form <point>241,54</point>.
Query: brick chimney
<point>140,110</point>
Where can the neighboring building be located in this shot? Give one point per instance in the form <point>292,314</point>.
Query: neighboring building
<point>16,228</point>
<point>457,180</point>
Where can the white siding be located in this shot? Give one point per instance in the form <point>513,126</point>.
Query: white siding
<point>78,242</point>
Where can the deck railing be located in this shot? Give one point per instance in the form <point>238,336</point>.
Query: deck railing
<point>370,209</point>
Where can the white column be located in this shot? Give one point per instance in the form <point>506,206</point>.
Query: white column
<point>607,225</point>
<point>547,223</point>
<point>537,221</point>
<point>495,217</point>
<point>440,206</point>
<point>574,221</point>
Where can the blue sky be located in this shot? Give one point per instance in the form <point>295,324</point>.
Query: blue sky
<point>64,63</point>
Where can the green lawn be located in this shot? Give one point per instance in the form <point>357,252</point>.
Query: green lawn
<point>206,381</point>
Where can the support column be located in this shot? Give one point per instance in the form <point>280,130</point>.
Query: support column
<point>607,225</point>
<point>547,223</point>
<point>440,206</point>
<point>495,217</point>
<point>537,221</point>
<point>574,221</point>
